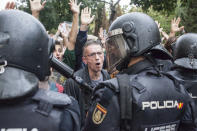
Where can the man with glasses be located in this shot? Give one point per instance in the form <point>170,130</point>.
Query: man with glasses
<point>92,74</point>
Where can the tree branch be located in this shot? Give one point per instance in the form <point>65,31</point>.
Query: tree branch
<point>117,3</point>
<point>105,2</point>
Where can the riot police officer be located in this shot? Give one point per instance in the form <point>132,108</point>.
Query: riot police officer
<point>141,98</point>
<point>185,64</point>
<point>25,53</point>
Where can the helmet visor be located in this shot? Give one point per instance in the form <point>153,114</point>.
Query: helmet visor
<point>116,48</point>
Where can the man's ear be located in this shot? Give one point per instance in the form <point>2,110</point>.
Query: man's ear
<point>84,60</point>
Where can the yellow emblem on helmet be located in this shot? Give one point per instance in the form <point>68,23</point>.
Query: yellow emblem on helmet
<point>99,114</point>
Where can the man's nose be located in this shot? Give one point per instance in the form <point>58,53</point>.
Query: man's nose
<point>97,56</point>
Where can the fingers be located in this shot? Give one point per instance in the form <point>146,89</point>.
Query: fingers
<point>157,23</point>
<point>92,18</point>
<point>172,21</point>
<point>178,20</point>
<point>79,4</point>
<point>89,11</point>
<point>160,29</point>
<point>86,10</point>
<point>10,5</point>
<point>70,2</point>
<point>43,4</point>
<point>181,28</point>
<point>82,11</point>
<point>7,5</point>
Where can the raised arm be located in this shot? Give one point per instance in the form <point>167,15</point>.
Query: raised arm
<point>73,33</point>
<point>36,7</point>
<point>86,19</point>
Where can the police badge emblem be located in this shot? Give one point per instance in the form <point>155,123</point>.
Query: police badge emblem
<point>99,114</point>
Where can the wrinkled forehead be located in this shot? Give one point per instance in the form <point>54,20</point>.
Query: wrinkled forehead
<point>93,48</point>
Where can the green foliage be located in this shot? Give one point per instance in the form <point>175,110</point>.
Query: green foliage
<point>161,17</point>
<point>99,18</point>
<point>55,12</point>
<point>157,5</point>
<point>187,10</point>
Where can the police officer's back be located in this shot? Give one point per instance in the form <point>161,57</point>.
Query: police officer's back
<point>141,98</point>
<point>25,52</point>
<point>185,64</point>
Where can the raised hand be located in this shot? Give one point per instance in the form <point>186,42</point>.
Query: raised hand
<point>74,7</point>
<point>101,36</point>
<point>10,5</point>
<point>175,25</point>
<point>86,18</point>
<point>64,29</point>
<point>36,5</point>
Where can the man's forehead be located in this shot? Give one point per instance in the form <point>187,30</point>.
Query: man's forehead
<point>57,46</point>
<point>93,48</point>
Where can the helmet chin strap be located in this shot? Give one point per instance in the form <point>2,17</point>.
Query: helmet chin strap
<point>124,63</point>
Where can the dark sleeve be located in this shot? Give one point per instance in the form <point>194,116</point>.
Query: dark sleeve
<point>104,113</point>
<point>188,122</point>
<point>80,42</point>
<point>71,88</point>
<point>70,120</point>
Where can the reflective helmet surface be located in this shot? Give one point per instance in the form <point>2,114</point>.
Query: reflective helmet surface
<point>185,51</point>
<point>130,35</point>
<point>24,43</point>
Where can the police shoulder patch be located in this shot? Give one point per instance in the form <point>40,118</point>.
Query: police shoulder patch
<point>99,114</point>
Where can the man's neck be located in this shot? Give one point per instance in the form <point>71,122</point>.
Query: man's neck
<point>94,75</point>
<point>135,60</point>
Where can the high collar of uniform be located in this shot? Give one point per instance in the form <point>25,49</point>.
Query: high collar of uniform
<point>138,67</point>
<point>17,84</point>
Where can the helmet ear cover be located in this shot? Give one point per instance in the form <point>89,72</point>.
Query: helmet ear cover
<point>130,37</point>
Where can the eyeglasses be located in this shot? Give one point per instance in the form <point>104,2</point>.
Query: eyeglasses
<point>94,54</point>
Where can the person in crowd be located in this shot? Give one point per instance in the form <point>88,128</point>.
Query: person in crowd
<point>92,74</point>
<point>69,37</point>
<point>25,59</point>
<point>56,80</point>
<point>102,36</point>
<point>185,66</point>
<point>86,19</point>
<point>140,98</point>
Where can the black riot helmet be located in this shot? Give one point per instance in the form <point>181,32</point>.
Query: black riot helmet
<point>185,51</point>
<point>24,43</point>
<point>130,35</point>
